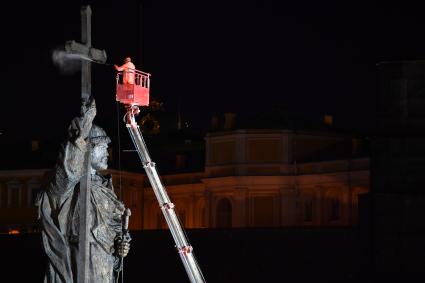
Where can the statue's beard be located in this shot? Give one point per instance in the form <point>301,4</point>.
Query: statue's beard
<point>101,164</point>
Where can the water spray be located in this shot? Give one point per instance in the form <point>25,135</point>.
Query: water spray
<point>69,62</point>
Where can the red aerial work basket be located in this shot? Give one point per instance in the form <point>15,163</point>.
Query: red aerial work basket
<point>136,93</point>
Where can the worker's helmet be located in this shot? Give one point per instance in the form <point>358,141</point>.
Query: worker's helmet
<point>98,135</point>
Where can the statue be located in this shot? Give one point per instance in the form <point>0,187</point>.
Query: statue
<point>59,208</point>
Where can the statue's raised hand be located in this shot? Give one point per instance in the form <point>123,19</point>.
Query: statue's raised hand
<point>88,112</point>
<point>81,126</point>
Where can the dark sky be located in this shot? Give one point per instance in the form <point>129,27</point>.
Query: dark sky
<point>210,57</point>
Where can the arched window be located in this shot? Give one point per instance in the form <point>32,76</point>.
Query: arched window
<point>334,209</point>
<point>203,217</point>
<point>3,196</point>
<point>14,193</point>
<point>223,212</point>
<point>200,214</point>
<point>308,210</point>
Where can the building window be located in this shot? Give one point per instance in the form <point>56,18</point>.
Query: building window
<point>35,145</point>
<point>328,120</point>
<point>3,196</point>
<point>14,194</point>
<point>203,218</point>
<point>224,214</point>
<point>308,211</point>
<point>14,198</point>
<point>262,211</point>
<point>180,161</point>
<point>135,199</point>
<point>334,209</point>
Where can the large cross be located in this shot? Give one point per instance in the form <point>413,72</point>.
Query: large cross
<point>86,51</point>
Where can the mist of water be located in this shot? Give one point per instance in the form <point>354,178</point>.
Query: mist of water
<point>68,63</point>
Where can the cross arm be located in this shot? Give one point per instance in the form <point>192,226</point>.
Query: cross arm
<point>94,54</point>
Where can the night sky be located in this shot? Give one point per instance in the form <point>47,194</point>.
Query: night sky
<point>209,57</point>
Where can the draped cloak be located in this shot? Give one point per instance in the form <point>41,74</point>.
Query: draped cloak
<point>59,217</point>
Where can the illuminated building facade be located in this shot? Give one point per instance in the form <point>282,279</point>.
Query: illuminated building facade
<point>252,178</point>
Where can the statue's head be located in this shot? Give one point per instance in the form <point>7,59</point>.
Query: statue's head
<point>99,155</point>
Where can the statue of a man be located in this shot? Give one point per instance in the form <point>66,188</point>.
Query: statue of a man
<point>59,208</point>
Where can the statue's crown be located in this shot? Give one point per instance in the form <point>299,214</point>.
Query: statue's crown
<point>98,135</point>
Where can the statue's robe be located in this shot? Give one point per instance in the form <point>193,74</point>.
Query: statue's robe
<point>59,217</point>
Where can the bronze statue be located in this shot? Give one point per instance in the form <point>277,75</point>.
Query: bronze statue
<point>59,208</point>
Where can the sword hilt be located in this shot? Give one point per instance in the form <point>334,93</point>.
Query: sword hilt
<point>127,214</point>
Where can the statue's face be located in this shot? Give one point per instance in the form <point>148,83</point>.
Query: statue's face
<point>99,157</point>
